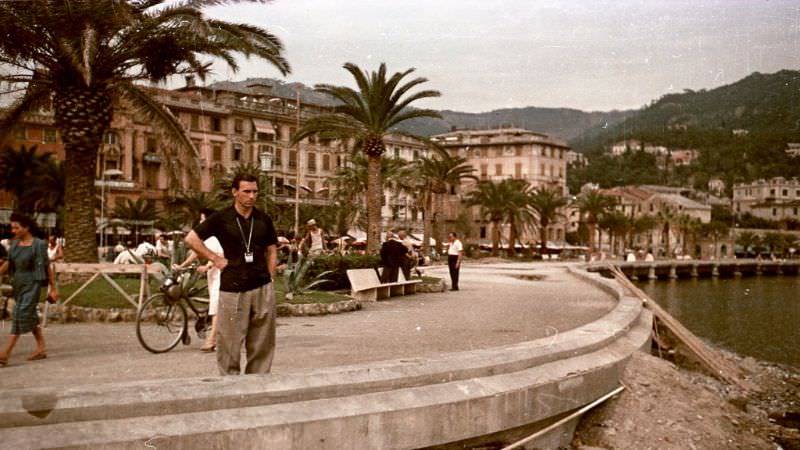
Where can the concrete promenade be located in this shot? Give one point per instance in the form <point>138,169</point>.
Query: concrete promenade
<point>492,308</point>
<point>519,346</point>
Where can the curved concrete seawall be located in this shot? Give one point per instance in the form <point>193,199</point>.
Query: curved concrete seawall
<point>407,403</point>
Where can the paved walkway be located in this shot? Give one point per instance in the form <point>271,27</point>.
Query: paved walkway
<point>498,304</point>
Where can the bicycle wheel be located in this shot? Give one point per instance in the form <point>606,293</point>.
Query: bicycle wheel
<point>160,324</point>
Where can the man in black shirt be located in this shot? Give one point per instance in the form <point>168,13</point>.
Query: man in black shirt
<point>246,298</point>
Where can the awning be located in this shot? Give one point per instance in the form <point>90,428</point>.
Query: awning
<point>263,126</point>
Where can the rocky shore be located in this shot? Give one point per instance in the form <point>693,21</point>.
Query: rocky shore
<point>669,407</point>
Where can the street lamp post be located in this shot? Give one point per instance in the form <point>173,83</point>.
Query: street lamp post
<point>108,172</point>
<point>265,164</point>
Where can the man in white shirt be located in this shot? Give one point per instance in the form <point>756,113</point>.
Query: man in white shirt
<point>145,248</point>
<point>454,253</point>
<point>128,256</point>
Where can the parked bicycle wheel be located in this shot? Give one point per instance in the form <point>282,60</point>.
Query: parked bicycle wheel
<point>160,324</point>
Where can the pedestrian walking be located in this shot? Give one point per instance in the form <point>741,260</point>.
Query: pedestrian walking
<point>246,299</point>
<point>454,254</point>
<point>30,268</point>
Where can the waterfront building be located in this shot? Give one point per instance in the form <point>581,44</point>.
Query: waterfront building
<point>504,153</point>
<point>665,205</point>
<point>229,123</point>
<point>773,199</point>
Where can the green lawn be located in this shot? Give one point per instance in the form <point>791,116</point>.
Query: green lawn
<point>100,294</point>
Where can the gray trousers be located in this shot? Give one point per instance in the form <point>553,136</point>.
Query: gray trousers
<point>246,318</point>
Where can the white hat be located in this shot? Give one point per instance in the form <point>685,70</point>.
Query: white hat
<point>311,222</point>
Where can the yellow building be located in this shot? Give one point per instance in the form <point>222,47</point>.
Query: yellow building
<point>503,153</point>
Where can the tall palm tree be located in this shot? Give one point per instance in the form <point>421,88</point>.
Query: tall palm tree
<point>618,225</point>
<point>378,106</point>
<point>666,217</point>
<point>436,175</point>
<point>18,169</point>
<point>491,198</point>
<point>351,182</point>
<point>83,55</point>
<point>592,205</point>
<point>517,212</point>
<point>641,225</point>
<point>547,204</point>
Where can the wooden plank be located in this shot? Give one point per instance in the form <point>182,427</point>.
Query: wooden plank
<point>83,286</point>
<point>118,288</point>
<point>718,366</point>
<point>105,267</point>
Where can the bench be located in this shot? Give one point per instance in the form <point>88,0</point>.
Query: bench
<point>367,287</point>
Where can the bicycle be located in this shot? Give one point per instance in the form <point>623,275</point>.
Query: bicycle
<point>163,321</point>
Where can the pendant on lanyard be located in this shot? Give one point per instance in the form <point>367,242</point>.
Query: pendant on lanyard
<point>248,255</point>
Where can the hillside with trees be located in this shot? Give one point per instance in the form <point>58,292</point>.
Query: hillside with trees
<point>740,131</point>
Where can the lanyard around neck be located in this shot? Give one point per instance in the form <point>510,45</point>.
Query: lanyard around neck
<point>241,231</point>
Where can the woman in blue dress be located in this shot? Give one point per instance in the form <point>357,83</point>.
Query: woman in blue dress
<point>28,264</point>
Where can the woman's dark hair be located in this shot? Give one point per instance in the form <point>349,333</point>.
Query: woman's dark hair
<point>25,221</point>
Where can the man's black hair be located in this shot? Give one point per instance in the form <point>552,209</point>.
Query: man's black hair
<point>242,177</point>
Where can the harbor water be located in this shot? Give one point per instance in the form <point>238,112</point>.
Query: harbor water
<point>752,316</point>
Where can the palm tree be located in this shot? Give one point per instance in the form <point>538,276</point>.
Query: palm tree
<point>592,205</point>
<point>136,214</point>
<point>437,174</point>
<point>517,212</point>
<point>666,217</point>
<point>17,170</point>
<point>617,224</point>
<point>84,55</point>
<point>367,115</point>
<point>640,225</point>
<point>547,204</point>
<point>46,192</point>
<point>491,198</point>
<point>351,181</point>
<point>189,205</point>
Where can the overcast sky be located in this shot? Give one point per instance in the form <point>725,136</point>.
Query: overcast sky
<point>484,55</point>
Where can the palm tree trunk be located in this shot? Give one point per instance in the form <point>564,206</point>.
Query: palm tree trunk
<point>543,236</point>
<point>437,226</point>
<point>82,115</point>
<point>592,228</point>
<point>374,201</point>
<point>495,237</point>
<point>427,230</point>
<point>512,239</point>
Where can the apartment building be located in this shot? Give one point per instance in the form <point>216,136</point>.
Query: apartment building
<point>773,199</point>
<point>229,123</point>
<point>517,153</point>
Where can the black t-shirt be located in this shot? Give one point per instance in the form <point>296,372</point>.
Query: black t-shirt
<point>233,232</point>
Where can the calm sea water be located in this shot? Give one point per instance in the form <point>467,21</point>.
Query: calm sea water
<point>752,316</point>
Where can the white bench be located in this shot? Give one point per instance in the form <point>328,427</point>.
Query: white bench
<point>367,287</point>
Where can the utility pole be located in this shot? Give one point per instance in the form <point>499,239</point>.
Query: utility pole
<point>297,169</point>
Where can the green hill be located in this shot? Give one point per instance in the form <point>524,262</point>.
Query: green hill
<point>562,123</point>
<point>740,130</point>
